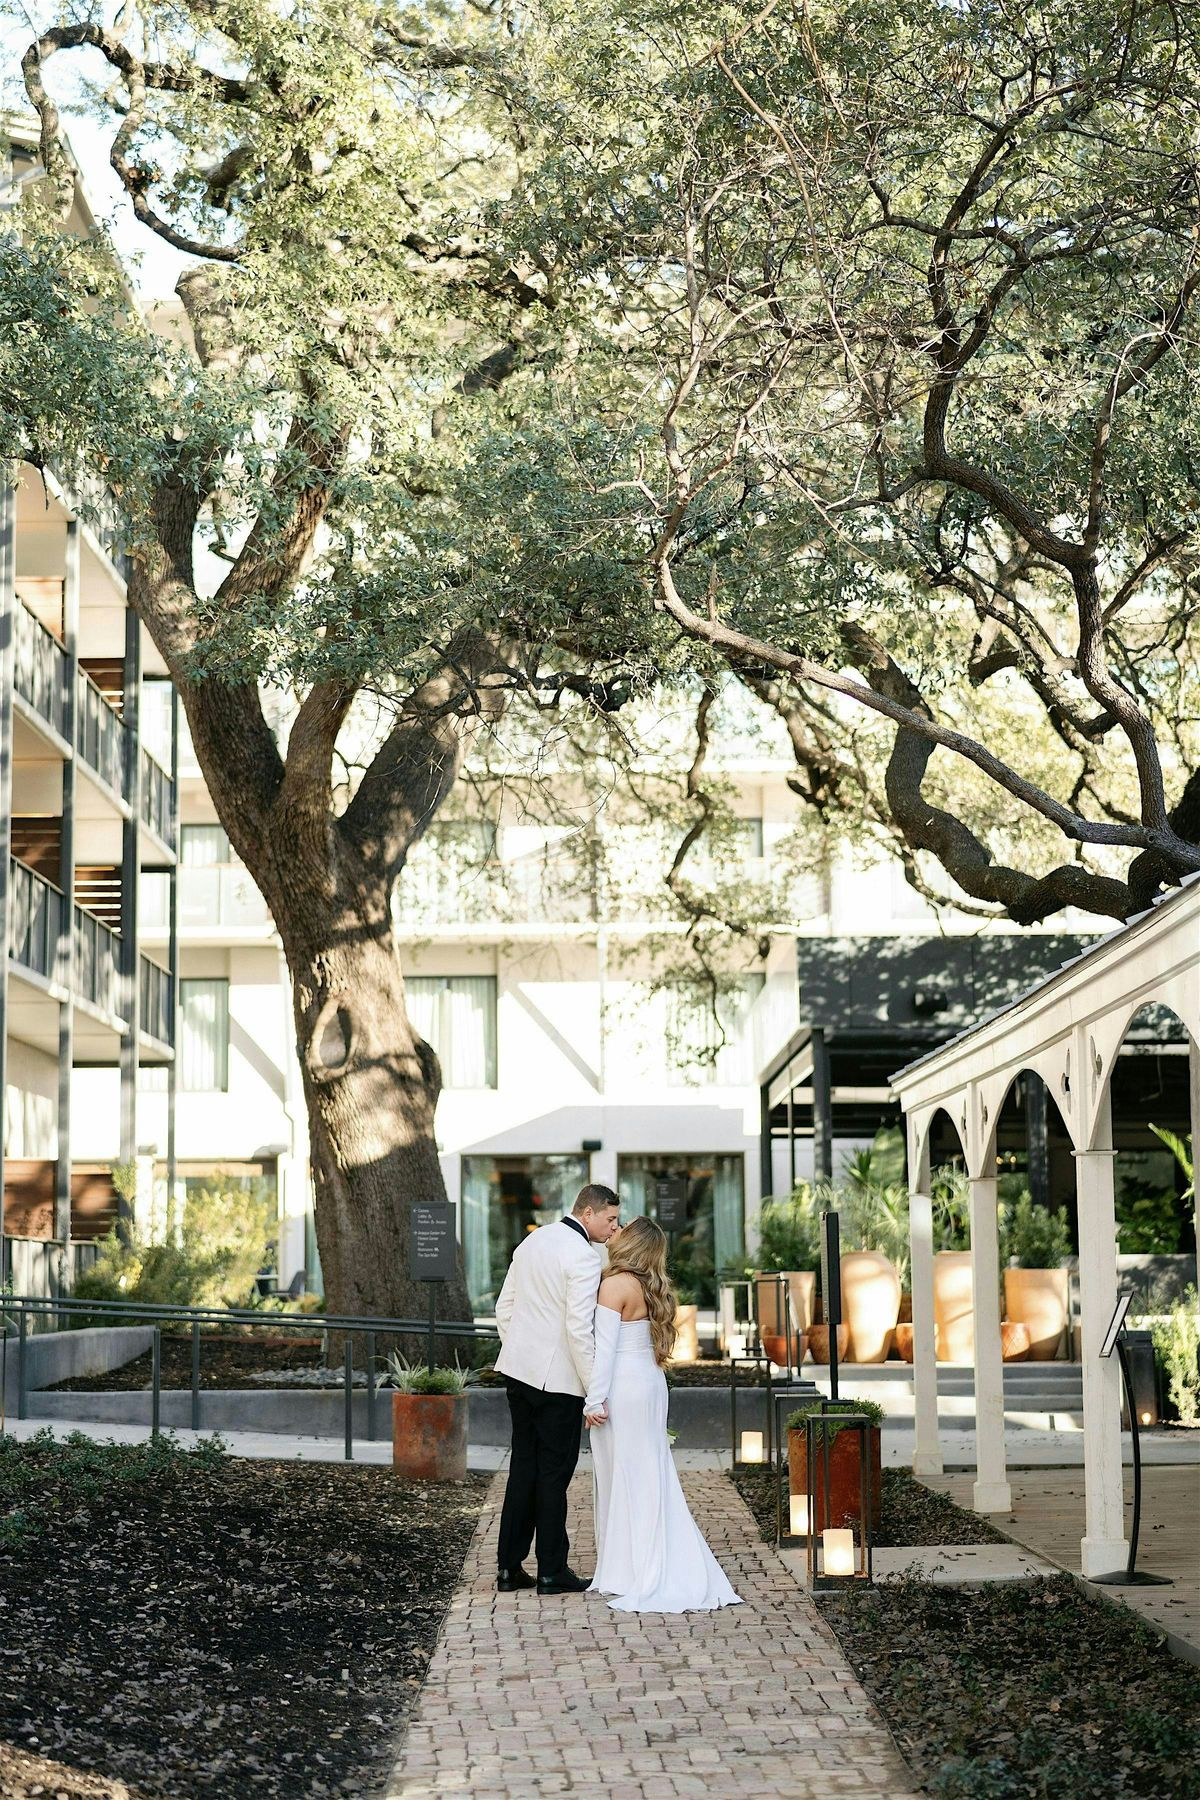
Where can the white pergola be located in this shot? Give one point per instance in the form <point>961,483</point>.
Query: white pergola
<point>1068,1030</point>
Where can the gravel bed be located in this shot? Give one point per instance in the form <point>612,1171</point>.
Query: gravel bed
<point>198,1626</point>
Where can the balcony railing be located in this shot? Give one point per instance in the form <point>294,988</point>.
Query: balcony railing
<point>158,793</point>
<point>220,894</point>
<point>35,920</point>
<point>96,961</point>
<point>40,668</point>
<point>101,734</point>
<point>157,1013</point>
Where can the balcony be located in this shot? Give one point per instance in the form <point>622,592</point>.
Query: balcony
<point>157,1012</point>
<point>101,734</point>
<point>158,800</point>
<point>35,920</point>
<point>40,668</point>
<point>97,951</point>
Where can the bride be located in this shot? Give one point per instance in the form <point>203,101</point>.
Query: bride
<point>650,1555</point>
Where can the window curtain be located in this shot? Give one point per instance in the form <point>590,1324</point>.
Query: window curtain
<point>203,846</point>
<point>695,1051</point>
<point>457,1015</point>
<point>204,1059</point>
<point>729,1213</point>
<point>476,1199</point>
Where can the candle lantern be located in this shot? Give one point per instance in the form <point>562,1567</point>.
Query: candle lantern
<point>750,1448</point>
<point>839,1523</point>
<point>792,1514</point>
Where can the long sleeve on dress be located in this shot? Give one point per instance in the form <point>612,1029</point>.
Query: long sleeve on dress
<point>608,1332</point>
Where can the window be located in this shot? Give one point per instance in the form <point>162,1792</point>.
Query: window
<point>711,1243</point>
<point>706,1042</point>
<point>457,1015</point>
<point>503,1199</point>
<point>204,1036</point>
<point>203,846</point>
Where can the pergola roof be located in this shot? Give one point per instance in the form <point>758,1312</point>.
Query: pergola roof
<point>1068,1028</point>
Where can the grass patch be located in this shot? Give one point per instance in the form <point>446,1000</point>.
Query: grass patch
<point>1008,1691</point>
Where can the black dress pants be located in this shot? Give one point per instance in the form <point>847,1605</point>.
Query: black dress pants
<point>546,1431</point>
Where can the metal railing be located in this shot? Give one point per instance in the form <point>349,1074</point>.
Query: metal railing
<point>22,1309</point>
<point>39,668</point>
<point>35,920</point>
<point>157,1014</point>
<point>101,734</point>
<point>97,951</point>
<point>157,799</point>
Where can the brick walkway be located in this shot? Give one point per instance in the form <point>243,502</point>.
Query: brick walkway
<point>526,1697</point>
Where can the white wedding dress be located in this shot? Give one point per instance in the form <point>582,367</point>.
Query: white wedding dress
<point>650,1554</point>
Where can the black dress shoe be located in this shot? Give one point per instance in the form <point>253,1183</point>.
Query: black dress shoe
<point>565,1582</point>
<point>509,1580</point>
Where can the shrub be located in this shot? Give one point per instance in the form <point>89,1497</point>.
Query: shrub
<point>790,1230</point>
<point>221,1244</point>
<point>1033,1237</point>
<point>1176,1340</point>
<point>862,1409</point>
<point>416,1378</point>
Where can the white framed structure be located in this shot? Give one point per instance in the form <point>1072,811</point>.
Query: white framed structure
<point>1069,1030</point>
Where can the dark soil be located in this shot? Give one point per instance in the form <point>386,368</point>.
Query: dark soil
<point>1007,1691</point>
<point>912,1513</point>
<point>198,1626</point>
<point>708,1372</point>
<point>225,1362</point>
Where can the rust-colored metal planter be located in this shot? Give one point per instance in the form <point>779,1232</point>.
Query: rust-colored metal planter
<point>429,1436</point>
<point>845,1483</point>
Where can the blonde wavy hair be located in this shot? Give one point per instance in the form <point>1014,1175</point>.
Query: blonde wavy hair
<point>640,1249</point>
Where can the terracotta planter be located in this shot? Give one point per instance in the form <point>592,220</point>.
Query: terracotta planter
<point>904,1317</point>
<point>687,1341</point>
<point>870,1304</point>
<point>953,1307</point>
<point>776,1348</point>
<point>1014,1340</point>
<point>802,1290</point>
<point>818,1342</point>
<point>1039,1298</point>
<point>904,1341</point>
<point>845,1490</point>
<point>429,1436</point>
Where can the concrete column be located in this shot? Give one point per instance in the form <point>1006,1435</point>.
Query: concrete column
<point>927,1451</point>
<point>992,1492</point>
<point>1103,1547</point>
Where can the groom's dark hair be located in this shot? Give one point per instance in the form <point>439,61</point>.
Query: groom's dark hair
<point>594,1198</point>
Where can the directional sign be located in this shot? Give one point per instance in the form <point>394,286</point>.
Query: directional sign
<point>670,1198</point>
<point>432,1240</point>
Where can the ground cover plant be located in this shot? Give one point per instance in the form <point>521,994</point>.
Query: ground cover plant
<point>196,1625</point>
<point>912,1513</point>
<point>1006,1691</point>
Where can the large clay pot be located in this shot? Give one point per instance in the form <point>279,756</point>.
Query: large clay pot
<point>687,1340</point>
<point>845,1488</point>
<point>818,1342</point>
<point>904,1316</point>
<point>429,1436</point>
<point>1039,1298</point>
<point>903,1341</point>
<point>870,1304</point>
<point>801,1287</point>
<point>953,1307</point>
<point>1014,1340</point>
<point>776,1348</point>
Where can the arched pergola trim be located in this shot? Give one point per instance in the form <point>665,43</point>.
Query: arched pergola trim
<point>1068,1029</point>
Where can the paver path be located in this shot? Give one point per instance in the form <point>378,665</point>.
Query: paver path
<point>527,1697</point>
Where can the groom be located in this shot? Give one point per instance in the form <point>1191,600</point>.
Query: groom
<point>545,1315</point>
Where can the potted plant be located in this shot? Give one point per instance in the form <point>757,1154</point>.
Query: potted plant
<point>845,1475</point>
<point>875,1265</point>
<point>953,1302</point>
<point>687,1339</point>
<point>429,1421</point>
<point>789,1243</point>
<point>1036,1243</point>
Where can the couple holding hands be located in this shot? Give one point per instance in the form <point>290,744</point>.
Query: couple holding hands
<point>581,1343</point>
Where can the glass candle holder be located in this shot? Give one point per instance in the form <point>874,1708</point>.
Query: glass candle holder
<point>752,1447</point>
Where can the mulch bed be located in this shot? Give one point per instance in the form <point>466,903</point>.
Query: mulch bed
<point>225,1362</point>
<point>197,1626</point>
<point>1014,1690</point>
<point>912,1513</point>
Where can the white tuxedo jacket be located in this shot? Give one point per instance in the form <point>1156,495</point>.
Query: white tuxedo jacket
<point>546,1310</point>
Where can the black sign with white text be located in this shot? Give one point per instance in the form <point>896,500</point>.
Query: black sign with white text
<point>432,1240</point>
<point>670,1198</point>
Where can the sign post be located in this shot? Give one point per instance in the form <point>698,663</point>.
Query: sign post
<point>1130,1575</point>
<point>670,1200</point>
<point>432,1248</point>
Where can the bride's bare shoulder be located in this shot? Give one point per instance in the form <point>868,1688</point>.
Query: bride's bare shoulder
<point>620,1292</point>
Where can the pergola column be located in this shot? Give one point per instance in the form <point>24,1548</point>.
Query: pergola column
<point>1103,1547</point>
<point>927,1450</point>
<point>992,1491</point>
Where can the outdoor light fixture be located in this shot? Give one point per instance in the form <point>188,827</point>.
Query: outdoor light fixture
<point>798,1511</point>
<point>837,1479</point>
<point>752,1450</point>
